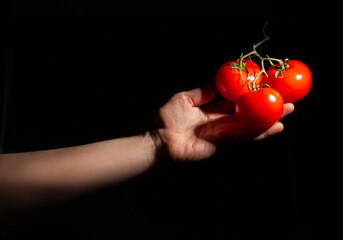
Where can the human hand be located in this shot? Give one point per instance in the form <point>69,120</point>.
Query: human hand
<point>191,126</point>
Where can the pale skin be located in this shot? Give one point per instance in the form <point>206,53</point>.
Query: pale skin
<point>189,127</point>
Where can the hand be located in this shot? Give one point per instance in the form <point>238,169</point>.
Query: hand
<point>191,127</point>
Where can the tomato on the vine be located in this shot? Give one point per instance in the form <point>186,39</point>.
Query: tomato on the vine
<point>260,100</point>
<point>229,79</point>
<point>293,82</point>
<point>259,109</point>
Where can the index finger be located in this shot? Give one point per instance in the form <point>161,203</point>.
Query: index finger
<point>203,94</point>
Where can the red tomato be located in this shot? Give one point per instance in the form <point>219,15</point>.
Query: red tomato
<point>259,109</point>
<point>295,82</point>
<point>230,83</point>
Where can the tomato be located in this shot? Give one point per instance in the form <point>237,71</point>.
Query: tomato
<point>259,109</point>
<point>293,84</point>
<point>230,83</point>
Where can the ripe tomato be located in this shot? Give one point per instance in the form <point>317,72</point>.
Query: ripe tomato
<point>293,84</point>
<point>230,83</point>
<point>259,109</point>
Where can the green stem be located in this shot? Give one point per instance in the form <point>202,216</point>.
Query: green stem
<point>247,55</point>
<point>283,65</point>
<point>276,60</point>
<point>254,52</point>
<point>266,38</point>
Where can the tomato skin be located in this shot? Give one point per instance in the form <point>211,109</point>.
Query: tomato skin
<point>294,84</point>
<point>230,83</point>
<point>259,109</point>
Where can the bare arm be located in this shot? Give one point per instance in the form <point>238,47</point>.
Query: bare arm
<point>190,128</point>
<point>42,176</point>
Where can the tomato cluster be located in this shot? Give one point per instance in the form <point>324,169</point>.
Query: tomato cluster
<point>259,95</point>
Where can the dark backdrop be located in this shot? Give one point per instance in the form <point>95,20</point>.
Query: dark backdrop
<point>75,73</point>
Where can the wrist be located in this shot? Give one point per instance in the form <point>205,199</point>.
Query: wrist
<point>157,145</point>
<point>152,146</point>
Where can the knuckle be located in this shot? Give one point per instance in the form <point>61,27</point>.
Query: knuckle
<point>183,97</point>
<point>180,95</point>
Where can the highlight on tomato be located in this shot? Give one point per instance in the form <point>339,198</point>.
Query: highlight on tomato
<point>292,79</point>
<point>233,77</point>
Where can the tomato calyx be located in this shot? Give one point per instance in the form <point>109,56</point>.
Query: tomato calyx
<point>252,86</point>
<point>280,67</point>
<point>239,66</point>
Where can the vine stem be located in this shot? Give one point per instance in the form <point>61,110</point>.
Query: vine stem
<point>240,64</point>
<point>276,60</point>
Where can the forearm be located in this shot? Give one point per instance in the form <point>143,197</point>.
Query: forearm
<point>75,169</point>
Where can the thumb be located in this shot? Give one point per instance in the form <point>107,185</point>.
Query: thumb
<point>203,94</point>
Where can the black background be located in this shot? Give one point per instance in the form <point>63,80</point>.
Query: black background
<point>75,73</point>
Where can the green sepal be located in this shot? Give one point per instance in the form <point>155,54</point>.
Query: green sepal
<point>281,68</point>
<point>239,67</point>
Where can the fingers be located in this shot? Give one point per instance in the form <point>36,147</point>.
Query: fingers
<point>275,129</point>
<point>203,94</point>
<point>288,108</point>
